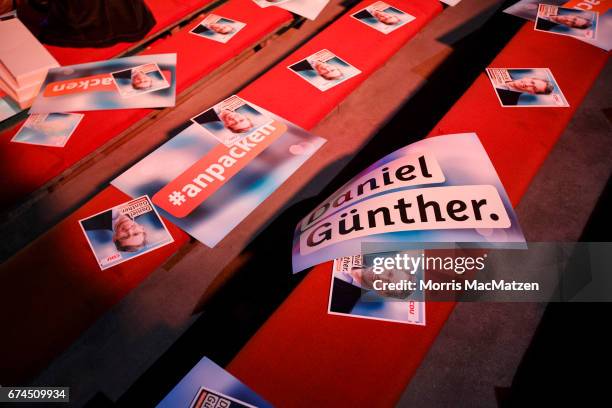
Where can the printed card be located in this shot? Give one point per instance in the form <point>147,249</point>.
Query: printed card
<point>383,17</point>
<point>231,120</point>
<point>48,129</point>
<point>581,24</point>
<point>125,232</point>
<point>526,87</point>
<point>268,3</point>
<point>139,80</point>
<point>207,385</point>
<point>206,398</point>
<point>362,288</point>
<point>324,70</point>
<point>217,28</point>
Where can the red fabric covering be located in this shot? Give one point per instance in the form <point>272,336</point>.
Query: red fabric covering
<point>351,40</point>
<point>49,288</point>
<point>27,167</point>
<point>165,12</point>
<point>303,357</point>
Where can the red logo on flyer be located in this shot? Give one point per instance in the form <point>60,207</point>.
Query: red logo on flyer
<point>190,189</point>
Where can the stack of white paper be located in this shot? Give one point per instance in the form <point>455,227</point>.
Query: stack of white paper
<point>23,62</point>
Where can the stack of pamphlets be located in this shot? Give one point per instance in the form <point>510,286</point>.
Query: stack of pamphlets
<point>24,62</point>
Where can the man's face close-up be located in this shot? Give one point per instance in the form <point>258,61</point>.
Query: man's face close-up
<point>530,85</point>
<point>141,81</point>
<point>236,122</point>
<point>387,276</point>
<point>571,21</point>
<point>385,18</point>
<point>221,28</point>
<point>327,71</point>
<point>128,233</point>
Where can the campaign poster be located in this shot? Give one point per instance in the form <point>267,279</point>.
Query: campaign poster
<point>207,385</point>
<point>357,291</point>
<point>144,81</point>
<point>124,232</point>
<point>528,9</point>
<point>231,120</point>
<point>441,189</point>
<point>324,70</point>
<point>48,129</point>
<point>382,17</point>
<point>526,87</point>
<point>216,172</point>
<point>217,28</point>
<point>566,21</point>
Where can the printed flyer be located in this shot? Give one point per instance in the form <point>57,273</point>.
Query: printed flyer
<point>209,386</point>
<point>439,190</point>
<point>215,173</point>
<point>356,292</point>
<point>144,81</point>
<point>309,9</point>
<point>324,70</point>
<point>382,17</point>
<point>528,9</point>
<point>125,232</point>
<point>48,129</point>
<point>567,21</point>
<point>217,28</point>
<point>526,87</point>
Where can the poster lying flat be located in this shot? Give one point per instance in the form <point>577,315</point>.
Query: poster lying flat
<point>217,28</point>
<point>526,87</point>
<point>439,190</point>
<point>528,9</point>
<point>356,291</point>
<point>209,386</point>
<point>382,17</point>
<point>48,129</point>
<point>125,232</point>
<point>144,81</point>
<point>567,21</point>
<point>324,70</point>
<point>215,172</point>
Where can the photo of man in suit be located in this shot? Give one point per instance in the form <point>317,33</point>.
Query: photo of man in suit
<point>128,235</point>
<point>511,91</point>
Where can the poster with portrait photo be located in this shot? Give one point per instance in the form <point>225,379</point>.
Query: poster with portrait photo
<point>217,28</point>
<point>231,120</point>
<point>324,70</point>
<point>528,9</point>
<point>48,129</point>
<point>125,231</point>
<point>139,80</point>
<point>353,291</point>
<point>382,17</point>
<point>526,87</point>
<point>567,21</point>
